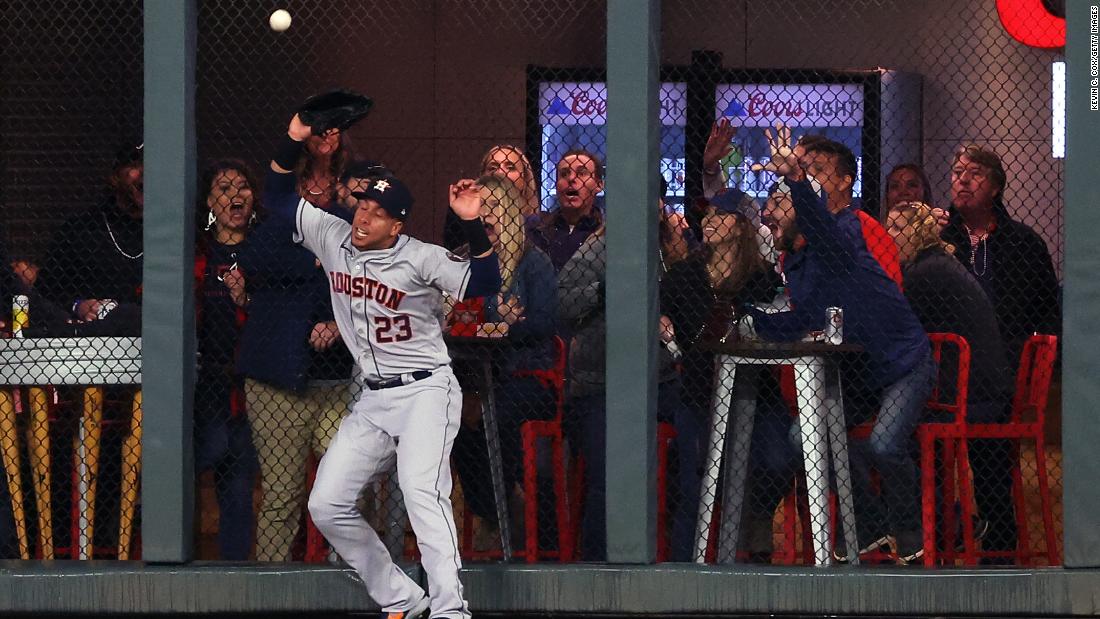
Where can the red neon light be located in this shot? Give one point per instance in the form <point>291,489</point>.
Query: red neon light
<point>1030,23</point>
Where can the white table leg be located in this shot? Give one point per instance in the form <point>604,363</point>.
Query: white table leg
<point>810,384</point>
<point>739,441</point>
<point>838,441</point>
<point>725,372</point>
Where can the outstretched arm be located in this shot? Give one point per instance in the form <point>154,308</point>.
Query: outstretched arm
<point>485,279</point>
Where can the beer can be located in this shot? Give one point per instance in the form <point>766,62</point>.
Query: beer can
<point>20,314</point>
<point>834,325</point>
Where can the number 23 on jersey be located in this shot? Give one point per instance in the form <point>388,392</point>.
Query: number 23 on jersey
<point>392,329</point>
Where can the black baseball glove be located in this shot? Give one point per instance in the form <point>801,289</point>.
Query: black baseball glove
<point>336,109</point>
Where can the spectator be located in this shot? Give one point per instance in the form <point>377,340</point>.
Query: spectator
<point>699,295</point>
<point>827,264</point>
<point>26,271</point>
<point>525,313</point>
<point>907,182</point>
<point>1009,259</point>
<point>947,299</point>
<point>581,313</point>
<point>506,161</point>
<point>297,369</point>
<point>561,232</point>
<point>320,171</point>
<point>1012,264</point>
<point>223,440</point>
<point>834,166</point>
<point>96,257</point>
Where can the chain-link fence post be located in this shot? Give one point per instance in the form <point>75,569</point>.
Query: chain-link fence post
<point>633,41</point>
<point>1080,432</point>
<point>168,312</point>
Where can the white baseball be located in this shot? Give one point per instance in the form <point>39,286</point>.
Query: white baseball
<point>279,20</point>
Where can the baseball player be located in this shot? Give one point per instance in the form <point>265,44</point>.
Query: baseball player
<point>386,291</point>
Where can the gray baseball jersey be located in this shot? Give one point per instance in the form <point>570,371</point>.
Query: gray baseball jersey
<point>388,303</point>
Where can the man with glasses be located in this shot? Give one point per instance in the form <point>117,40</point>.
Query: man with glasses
<point>1011,262</point>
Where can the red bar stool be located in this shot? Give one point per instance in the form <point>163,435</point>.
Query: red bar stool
<point>1026,422</point>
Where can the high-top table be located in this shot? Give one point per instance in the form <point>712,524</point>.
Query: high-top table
<point>480,352</point>
<point>821,427</point>
<point>89,362</point>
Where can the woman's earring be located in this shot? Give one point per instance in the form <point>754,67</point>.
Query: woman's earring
<point>210,220</point>
<point>252,219</point>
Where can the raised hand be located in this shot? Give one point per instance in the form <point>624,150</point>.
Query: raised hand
<point>719,144</point>
<point>465,197</point>
<point>783,161</point>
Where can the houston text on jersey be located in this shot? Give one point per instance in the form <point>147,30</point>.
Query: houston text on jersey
<point>365,287</point>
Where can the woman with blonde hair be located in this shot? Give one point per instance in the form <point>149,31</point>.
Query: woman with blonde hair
<point>507,162</point>
<point>947,298</point>
<point>524,312</point>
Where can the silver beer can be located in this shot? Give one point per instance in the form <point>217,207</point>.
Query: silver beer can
<point>834,325</point>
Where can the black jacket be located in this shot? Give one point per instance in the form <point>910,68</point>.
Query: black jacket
<point>696,315</point>
<point>86,258</point>
<point>947,299</point>
<point>1018,277</point>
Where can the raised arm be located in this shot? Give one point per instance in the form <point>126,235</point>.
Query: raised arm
<point>465,198</point>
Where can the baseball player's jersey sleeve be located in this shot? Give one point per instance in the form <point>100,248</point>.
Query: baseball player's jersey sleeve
<point>443,270</point>
<point>317,230</point>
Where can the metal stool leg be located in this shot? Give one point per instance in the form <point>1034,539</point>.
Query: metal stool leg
<point>38,443</point>
<point>131,468</point>
<point>725,373</point>
<point>9,450</point>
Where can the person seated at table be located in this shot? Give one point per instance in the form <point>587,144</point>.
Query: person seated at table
<point>948,299</point>
<point>524,313</point>
<point>223,438</point>
<point>699,295</point>
<point>95,259</point>
<point>827,264</point>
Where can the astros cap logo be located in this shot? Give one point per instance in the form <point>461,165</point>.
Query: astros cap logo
<point>382,185</point>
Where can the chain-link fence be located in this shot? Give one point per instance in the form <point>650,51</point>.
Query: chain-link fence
<point>860,235</point>
<point>71,114</point>
<point>905,203</point>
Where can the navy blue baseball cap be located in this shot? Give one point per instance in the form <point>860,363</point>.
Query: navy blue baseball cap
<point>391,194</point>
<point>737,202</point>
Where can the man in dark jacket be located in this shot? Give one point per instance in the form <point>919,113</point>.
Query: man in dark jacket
<point>1009,259</point>
<point>1012,264</point>
<point>96,257</point>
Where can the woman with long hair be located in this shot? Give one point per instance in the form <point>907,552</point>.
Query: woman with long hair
<point>700,295</point>
<point>507,162</point>
<point>525,314</point>
<point>223,438</point>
